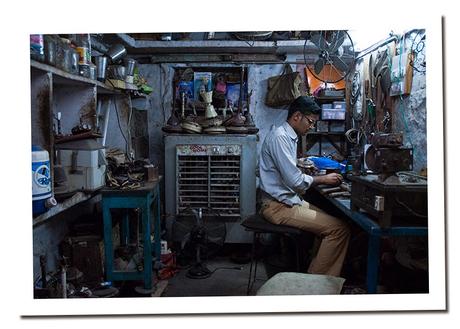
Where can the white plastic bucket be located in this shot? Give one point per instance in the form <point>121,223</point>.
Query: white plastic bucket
<point>41,179</point>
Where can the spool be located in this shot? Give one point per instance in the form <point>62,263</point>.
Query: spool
<point>41,180</point>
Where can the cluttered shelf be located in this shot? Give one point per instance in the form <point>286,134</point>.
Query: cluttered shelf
<point>75,199</point>
<point>328,99</point>
<point>63,77</point>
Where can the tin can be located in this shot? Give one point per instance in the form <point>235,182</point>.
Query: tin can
<point>151,173</point>
<point>83,53</point>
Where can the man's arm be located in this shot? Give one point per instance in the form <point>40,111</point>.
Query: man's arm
<point>329,179</point>
<point>287,166</point>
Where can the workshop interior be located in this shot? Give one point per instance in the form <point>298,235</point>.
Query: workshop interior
<point>145,162</point>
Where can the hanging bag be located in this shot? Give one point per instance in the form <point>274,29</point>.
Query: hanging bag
<point>283,89</point>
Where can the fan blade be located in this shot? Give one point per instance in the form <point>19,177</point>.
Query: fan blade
<point>184,240</point>
<point>318,40</point>
<point>319,64</point>
<point>337,41</point>
<point>339,64</point>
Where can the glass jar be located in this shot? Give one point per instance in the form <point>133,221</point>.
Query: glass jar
<point>37,47</point>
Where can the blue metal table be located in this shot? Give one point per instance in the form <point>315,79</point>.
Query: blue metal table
<point>142,198</point>
<point>375,233</point>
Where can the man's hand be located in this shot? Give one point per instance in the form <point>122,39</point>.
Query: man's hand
<point>329,179</point>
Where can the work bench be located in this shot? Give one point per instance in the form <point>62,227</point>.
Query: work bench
<point>143,198</point>
<point>375,233</point>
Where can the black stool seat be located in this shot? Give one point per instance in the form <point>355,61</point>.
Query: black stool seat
<point>258,223</point>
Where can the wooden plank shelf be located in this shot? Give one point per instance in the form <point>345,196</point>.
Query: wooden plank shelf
<point>77,198</point>
<point>65,78</point>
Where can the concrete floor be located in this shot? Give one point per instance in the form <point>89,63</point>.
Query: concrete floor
<point>230,269</point>
<point>230,276</point>
<point>226,280</point>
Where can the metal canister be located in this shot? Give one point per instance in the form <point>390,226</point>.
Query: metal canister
<point>116,52</point>
<point>92,71</point>
<point>130,64</point>
<point>151,173</point>
<point>101,68</point>
<point>83,54</point>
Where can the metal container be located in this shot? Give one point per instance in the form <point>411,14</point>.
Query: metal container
<point>83,54</point>
<point>92,71</point>
<point>101,68</point>
<point>116,52</point>
<point>117,72</point>
<point>130,65</point>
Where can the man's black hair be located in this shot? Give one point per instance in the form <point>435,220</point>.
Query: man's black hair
<point>305,105</point>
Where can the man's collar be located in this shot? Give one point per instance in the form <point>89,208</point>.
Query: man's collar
<point>291,132</point>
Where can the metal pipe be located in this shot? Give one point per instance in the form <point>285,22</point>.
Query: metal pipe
<point>106,121</point>
<point>240,100</point>
<point>377,45</point>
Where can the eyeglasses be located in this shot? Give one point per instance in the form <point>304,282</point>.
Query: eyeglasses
<point>310,121</point>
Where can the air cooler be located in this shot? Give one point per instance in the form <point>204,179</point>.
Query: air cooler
<point>212,172</point>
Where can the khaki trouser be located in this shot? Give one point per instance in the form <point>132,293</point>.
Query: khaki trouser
<point>333,232</point>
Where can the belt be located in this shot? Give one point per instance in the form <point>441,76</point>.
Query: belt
<point>265,197</point>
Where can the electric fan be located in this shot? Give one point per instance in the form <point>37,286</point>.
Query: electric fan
<point>200,236</point>
<point>333,54</point>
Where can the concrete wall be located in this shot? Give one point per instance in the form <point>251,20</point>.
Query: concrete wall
<point>411,112</point>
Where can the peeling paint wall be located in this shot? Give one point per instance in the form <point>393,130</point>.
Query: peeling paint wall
<point>410,117</point>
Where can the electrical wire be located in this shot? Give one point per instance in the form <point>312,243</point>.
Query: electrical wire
<point>413,212</point>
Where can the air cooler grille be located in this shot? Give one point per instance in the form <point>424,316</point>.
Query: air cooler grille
<point>209,181</point>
